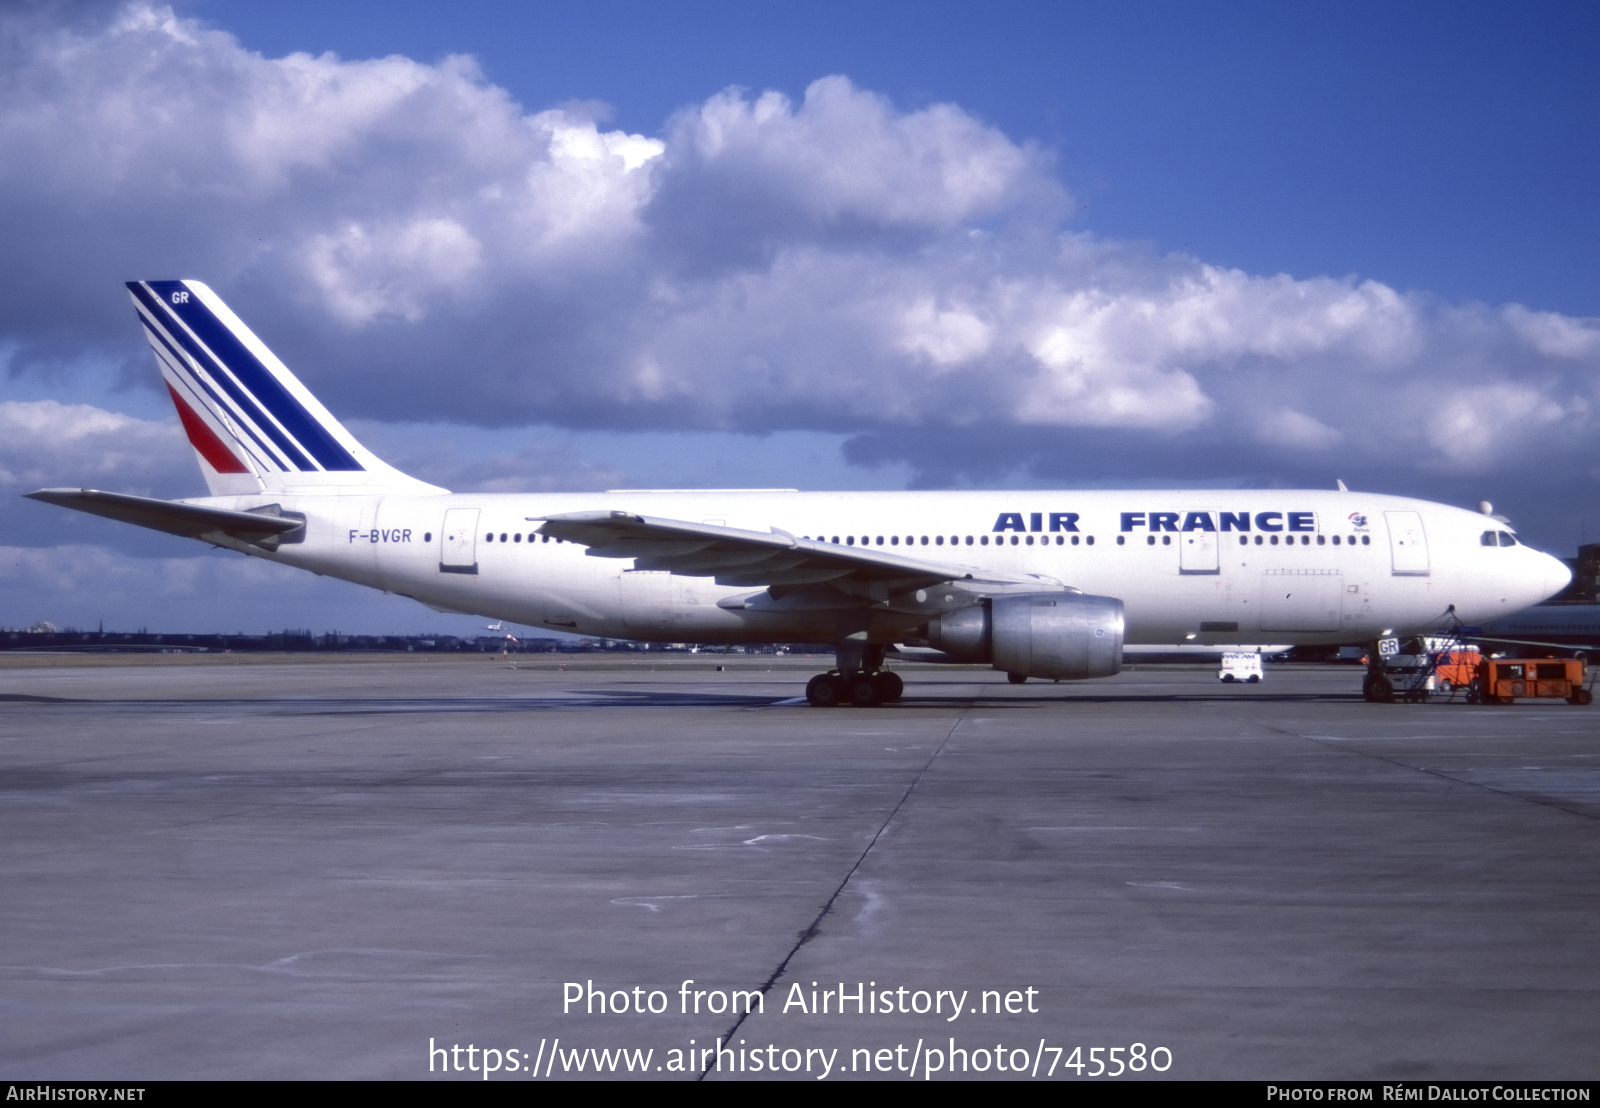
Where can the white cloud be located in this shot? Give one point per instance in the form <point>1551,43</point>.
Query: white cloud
<point>43,442</point>
<point>421,247</point>
<point>79,585</point>
<point>1289,428</point>
<point>1474,425</point>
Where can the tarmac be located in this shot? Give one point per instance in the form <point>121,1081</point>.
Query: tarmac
<point>403,867</point>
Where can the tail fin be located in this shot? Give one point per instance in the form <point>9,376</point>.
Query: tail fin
<point>254,427</point>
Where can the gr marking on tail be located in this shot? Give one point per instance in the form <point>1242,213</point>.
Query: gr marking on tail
<point>1040,584</point>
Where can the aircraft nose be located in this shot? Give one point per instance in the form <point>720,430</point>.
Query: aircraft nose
<point>1556,575</point>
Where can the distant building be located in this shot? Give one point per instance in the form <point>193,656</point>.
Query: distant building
<point>1585,587</point>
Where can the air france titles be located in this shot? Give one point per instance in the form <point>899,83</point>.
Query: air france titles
<point>1176,522</point>
<point>1229,521</point>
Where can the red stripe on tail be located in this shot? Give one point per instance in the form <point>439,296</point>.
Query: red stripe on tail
<point>205,440</point>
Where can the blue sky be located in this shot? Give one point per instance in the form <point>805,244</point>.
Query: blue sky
<point>1440,146</point>
<point>643,244</point>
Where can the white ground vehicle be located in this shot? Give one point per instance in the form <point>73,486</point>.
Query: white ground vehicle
<point>1240,666</point>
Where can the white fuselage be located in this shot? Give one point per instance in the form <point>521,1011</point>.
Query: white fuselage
<point>1198,567</point>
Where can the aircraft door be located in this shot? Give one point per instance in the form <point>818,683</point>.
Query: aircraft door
<point>1197,550</point>
<point>1408,544</point>
<point>458,541</point>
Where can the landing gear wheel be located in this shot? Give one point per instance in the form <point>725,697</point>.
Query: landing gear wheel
<point>824,690</point>
<point>1581,697</point>
<point>1378,690</point>
<point>890,687</point>
<point>863,690</point>
<point>1016,678</point>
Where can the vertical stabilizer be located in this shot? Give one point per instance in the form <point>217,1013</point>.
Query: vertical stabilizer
<point>254,427</point>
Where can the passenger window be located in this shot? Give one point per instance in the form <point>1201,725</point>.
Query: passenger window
<point>1030,540</point>
<point>1166,540</point>
<point>1336,540</point>
<point>1074,540</point>
<point>938,540</point>
<point>1149,540</point>
<point>983,540</point>
<point>1089,540</point>
<point>427,536</point>
<point>1274,540</point>
<point>1258,540</point>
<point>1366,540</point>
<point>969,540</point>
<point>1322,540</point>
<point>894,540</point>
<point>1013,540</point>
<point>1121,540</point>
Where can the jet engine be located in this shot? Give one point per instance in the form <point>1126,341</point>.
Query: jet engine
<point>1065,636</point>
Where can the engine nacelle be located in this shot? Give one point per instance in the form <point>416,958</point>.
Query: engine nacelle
<point>1065,636</point>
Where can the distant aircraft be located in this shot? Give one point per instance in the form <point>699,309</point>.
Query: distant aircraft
<point>1562,626</point>
<point>1035,583</point>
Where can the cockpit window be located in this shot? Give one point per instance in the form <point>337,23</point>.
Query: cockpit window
<point>1507,539</point>
<point>1487,538</point>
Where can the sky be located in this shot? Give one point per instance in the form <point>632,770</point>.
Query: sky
<point>577,246</point>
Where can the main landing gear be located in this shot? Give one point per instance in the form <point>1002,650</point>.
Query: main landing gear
<point>864,690</point>
<point>865,684</point>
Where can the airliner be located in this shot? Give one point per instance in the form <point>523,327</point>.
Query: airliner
<point>1037,584</point>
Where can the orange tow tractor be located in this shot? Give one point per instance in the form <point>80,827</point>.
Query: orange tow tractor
<point>1502,680</point>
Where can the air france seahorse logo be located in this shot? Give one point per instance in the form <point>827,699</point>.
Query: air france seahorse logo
<point>1358,520</point>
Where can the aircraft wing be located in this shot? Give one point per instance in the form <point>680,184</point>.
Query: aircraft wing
<point>774,558</point>
<point>263,526</point>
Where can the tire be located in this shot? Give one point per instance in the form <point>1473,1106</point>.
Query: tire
<point>890,687</point>
<point>1254,679</point>
<point>1016,678</point>
<point>1227,678</point>
<point>824,691</point>
<point>862,690</point>
<point>1446,686</point>
<point>1580,697</point>
<point>1378,690</point>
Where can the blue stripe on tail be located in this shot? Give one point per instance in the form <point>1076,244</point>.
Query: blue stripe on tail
<point>263,387</point>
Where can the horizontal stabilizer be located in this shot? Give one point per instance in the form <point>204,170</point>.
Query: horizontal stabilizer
<point>266,526</point>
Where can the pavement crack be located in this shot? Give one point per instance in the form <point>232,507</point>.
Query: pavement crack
<point>1440,774</point>
<point>814,928</point>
